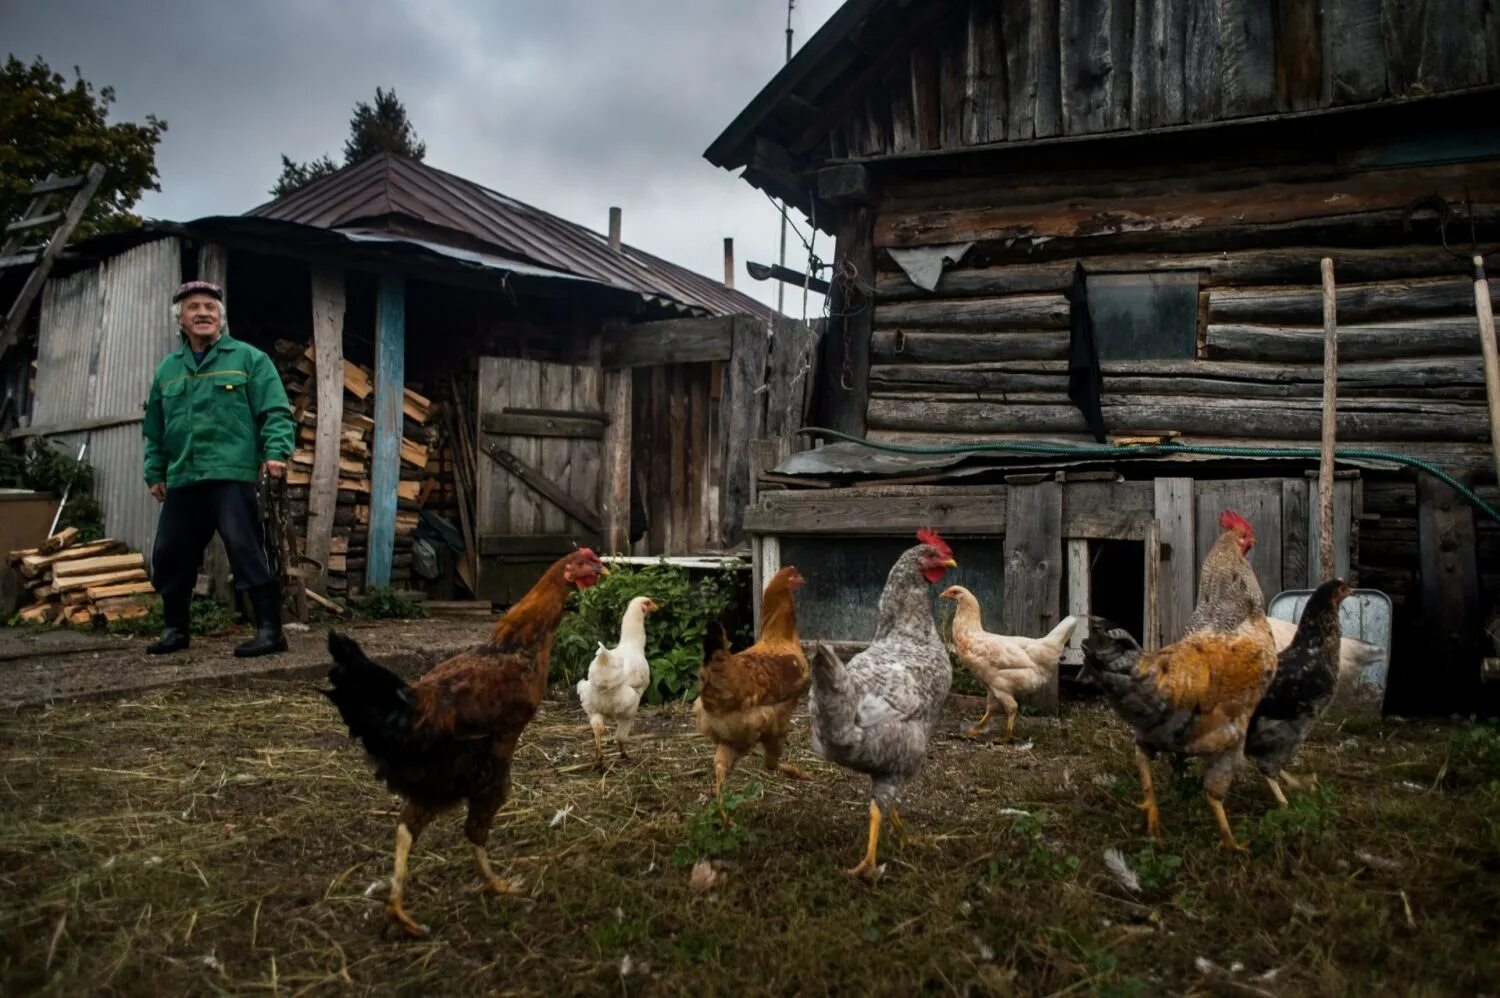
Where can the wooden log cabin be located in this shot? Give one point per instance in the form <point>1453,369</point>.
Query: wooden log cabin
<point>448,350</point>
<point>1174,171</point>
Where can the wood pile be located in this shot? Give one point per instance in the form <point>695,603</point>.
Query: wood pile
<point>82,583</point>
<point>349,546</point>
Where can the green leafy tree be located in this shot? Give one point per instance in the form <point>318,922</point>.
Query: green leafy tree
<point>48,124</point>
<point>375,128</point>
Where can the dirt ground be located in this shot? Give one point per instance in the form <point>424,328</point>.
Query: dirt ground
<point>209,839</point>
<point>42,665</point>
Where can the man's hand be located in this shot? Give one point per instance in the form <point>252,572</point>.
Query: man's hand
<point>275,469</point>
<point>159,492</point>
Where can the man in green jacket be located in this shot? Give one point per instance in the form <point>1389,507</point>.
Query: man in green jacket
<point>217,416</point>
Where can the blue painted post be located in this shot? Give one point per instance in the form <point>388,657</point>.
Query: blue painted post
<point>385,462</point>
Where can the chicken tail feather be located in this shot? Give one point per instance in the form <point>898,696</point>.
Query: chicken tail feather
<point>374,702</point>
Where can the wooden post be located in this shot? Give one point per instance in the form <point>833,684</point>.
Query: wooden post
<point>385,458</point>
<point>1450,607</point>
<point>729,262</point>
<point>1330,407</point>
<point>1033,568</point>
<point>1151,615</point>
<point>741,408</point>
<point>1486,315</point>
<point>213,265</point>
<point>323,490</point>
<point>845,358</point>
<point>1080,597</point>
<point>614,503</point>
<point>614,229</point>
<point>1177,577</point>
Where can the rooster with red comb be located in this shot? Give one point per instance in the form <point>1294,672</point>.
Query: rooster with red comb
<point>1196,696</point>
<point>876,713</point>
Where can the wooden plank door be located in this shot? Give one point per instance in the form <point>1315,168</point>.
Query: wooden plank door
<point>541,431</point>
<point>1258,500</point>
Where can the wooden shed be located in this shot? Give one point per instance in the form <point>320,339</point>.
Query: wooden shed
<point>450,351</point>
<point>1173,171</point>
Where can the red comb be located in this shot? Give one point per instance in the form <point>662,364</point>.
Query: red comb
<point>589,552</point>
<point>1230,520</point>
<point>931,537</point>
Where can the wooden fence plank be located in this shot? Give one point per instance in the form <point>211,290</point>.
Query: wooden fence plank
<point>1033,568</point>
<point>385,461</point>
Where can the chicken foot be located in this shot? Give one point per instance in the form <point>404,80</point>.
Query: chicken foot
<point>983,722</point>
<point>1153,813</point>
<point>899,827</point>
<point>482,811</point>
<point>866,868</point>
<point>493,884</point>
<point>1226,834</point>
<point>725,756</point>
<point>1217,774</point>
<point>772,750</point>
<point>1276,791</point>
<point>622,732</point>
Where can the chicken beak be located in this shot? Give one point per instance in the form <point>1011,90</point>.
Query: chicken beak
<point>950,563</point>
<point>602,571</point>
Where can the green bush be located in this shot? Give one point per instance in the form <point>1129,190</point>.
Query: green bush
<point>385,603</point>
<point>687,608</point>
<point>208,616</point>
<point>44,468</point>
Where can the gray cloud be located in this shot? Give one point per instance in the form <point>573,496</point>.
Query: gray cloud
<point>572,105</point>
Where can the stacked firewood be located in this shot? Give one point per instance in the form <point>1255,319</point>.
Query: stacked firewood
<point>82,583</point>
<point>348,551</point>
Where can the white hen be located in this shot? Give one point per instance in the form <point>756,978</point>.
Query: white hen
<point>1008,665</point>
<point>617,678</point>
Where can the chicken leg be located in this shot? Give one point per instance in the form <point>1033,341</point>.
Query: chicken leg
<point>899,827</point>
<point>1226,834</point>
<point>1217,774</point>
<point>866,868</point>
<point>1276,791</point>
<point>596,723</point>
<point>408,827</point>
<point>983,722</point>
<point>1153,813</point>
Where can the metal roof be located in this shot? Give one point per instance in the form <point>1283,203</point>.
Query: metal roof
<point>376,192</point>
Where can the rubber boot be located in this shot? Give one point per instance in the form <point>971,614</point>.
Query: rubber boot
<point>177,615</point>
<point>268,640</point>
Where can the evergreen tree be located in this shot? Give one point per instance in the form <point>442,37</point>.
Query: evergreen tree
<point>373,129</point>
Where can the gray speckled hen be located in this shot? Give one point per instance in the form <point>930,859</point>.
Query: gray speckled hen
<point>876,713</point>
<point>1307,674</point>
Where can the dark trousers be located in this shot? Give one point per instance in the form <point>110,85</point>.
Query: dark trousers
<point>189,517</point>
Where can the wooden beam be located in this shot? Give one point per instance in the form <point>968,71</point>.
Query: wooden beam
<point>385,460</point>
<point>578,426</point>
<point>1484,308</point>
<point>1330,422</point>
<point>671,341</point>
<point>1080,596</point>
<point>58,429</point>
<point>1033,569</point>
<point>538,482</point>
<point>328,345</point>
<point>846,185</point>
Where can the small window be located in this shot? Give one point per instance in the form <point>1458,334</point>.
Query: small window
<point>1144,316</point>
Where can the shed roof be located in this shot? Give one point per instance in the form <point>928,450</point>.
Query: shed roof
<point>383,191</point>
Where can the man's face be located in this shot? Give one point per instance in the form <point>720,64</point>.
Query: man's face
<point>201,315</point>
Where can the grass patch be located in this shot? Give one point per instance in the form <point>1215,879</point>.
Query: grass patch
<point>207,617</point>
<point>200,840</point>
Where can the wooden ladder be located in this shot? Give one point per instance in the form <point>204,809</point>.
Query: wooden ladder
<point>42,255</point>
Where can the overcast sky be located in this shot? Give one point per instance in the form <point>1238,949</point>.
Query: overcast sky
<point>569,105</point>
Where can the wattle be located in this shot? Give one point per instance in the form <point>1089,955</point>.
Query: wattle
<point>935,573</point>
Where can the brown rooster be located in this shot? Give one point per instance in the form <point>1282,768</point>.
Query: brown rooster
<point>747,698</point>
<point>1194,697</point>
<point>448,738</point>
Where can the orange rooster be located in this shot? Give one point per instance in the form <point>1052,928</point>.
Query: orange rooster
<point>1195,697</point>
<point>747,698</point>
<point>448,738</point>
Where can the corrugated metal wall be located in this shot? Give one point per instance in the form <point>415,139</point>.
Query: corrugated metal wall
<point>103,332</point>
<point>138,333</point>
<point>72,316</point>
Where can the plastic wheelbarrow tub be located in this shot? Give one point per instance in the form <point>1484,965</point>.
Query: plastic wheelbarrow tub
<point>1364,616</point>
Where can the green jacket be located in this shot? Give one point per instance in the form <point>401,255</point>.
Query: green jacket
<point>218,418</point>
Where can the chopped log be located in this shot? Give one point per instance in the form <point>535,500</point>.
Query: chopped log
<point>40,613</point>
<point>329,604</point>
<point>413,453</point>
<point>32,565</point>
<point>16,556</point>
<point>415,406</point>
<point>357,381</point>
<point>81,617</point>
<point>63,538</point>
<point>86,582</point>
<point>97,593</point>
<point>95,566</point>
<point>129,610</point>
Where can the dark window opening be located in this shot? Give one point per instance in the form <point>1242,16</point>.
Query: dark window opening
<point>1117,583</point>
<point>1144,316</point>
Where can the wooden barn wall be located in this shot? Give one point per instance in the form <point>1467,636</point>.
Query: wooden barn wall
<point>675,457</point>
<point>983,357</point>
<point>1033,69</point>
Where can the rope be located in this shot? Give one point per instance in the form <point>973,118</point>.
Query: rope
<point>1158,450</point>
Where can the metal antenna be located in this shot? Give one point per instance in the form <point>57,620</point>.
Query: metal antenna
<point>781,258</point>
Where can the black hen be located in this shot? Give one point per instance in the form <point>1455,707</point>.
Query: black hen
<point>1307,673</point>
